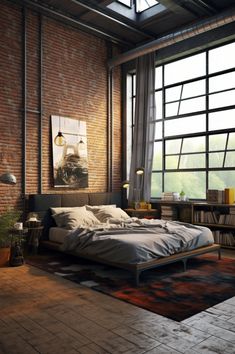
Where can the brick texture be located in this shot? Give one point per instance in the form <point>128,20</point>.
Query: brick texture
<point>74,85</point>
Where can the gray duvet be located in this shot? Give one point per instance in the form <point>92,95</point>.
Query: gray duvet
<point>136,240</point>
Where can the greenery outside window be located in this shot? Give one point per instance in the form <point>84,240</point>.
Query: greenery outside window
<point>195,123</point>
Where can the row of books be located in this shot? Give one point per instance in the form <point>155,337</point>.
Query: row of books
<point>226,196</point>
<point>224,238</point>
<point>214,217</point>
<point>168,213</point>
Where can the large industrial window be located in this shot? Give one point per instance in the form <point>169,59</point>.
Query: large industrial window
<point>195,123</point>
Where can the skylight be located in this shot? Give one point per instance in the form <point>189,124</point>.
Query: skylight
<point>139,5</point>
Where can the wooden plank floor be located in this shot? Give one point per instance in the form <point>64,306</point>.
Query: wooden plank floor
<point>43,313</point>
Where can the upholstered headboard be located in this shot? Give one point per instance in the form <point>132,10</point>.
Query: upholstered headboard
<point>41,204</point>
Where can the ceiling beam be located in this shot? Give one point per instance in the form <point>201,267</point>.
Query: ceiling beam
<point>203,4</point>
<point>192,31</point>
<point>64,18</point>
<point>104,13</point>
<point>196,7</point>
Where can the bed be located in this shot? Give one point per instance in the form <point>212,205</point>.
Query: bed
<point>93,226</point>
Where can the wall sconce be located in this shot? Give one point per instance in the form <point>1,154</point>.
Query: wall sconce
<point>8,178</point>
<point>59,139</point>
<point>125,184</point>
<point>139,171</point>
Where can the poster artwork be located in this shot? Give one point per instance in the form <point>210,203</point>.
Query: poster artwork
<point>69,148</point>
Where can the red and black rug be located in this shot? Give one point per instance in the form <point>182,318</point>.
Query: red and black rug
<point>168,291</point>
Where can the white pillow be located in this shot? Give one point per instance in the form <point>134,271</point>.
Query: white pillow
<point>98,207</point>
<point>72,219</point>
<point>105,213</point>
<point>59,210</point>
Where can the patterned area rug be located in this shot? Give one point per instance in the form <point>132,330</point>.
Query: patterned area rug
<point>168,290</point>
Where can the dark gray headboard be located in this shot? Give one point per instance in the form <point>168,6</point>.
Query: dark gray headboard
<point>41,204</point>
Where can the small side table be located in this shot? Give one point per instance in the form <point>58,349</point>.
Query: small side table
<point>142,213</point>
<point>34,235</point>
<point>16,253</point>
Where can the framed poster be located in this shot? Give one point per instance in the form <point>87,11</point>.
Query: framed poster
<point>69,150</point>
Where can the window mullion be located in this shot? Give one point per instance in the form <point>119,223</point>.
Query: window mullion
<point>226,149</point>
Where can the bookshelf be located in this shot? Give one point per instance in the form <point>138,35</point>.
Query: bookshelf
<point>218,217</point>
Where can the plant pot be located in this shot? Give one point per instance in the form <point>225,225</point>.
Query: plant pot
<point>4,256</point>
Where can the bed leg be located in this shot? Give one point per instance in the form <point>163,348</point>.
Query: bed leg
<point>185,264</point>
<point>219,253</point>
<point>137,275</point>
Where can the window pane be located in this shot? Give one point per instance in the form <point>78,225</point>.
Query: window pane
<point>216,159</point>
<point>231,141</point>
<point>217,142</point>
<point>157,157</point>
<point>173,94</point>
<point>172,109</point>
<point>156,186</point>
<point>222,120</point>
<point>194,89</point>
<point>188,106</point>
<point>230,159</point>
<point>158,130</point>
<point>222,99</point>
<point>189,90</point>
<point>193,161</point>
<point>173,146</point>
<point>222,82</point>
<point>194,144</point>
<point>134,85</point>
<point>142,5</point>
<point>221,179</point>
<point>158,77</point>
<point>172,162</point>
<point>192,183</point>
<point>185,125</point>
<point>125,2</point>
<point>193,105</point>
<point>158,98</point>
<point>221,58</point>
<point>185,69</point>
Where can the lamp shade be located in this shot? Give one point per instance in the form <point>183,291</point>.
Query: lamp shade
<point>8,178</point>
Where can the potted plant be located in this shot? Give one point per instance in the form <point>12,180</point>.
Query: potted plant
<point>7,222</point>
<point>182,196</point>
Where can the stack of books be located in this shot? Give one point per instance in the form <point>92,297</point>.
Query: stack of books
<point>168,213</point>
<point>170,196</point>
<point>215,196</point>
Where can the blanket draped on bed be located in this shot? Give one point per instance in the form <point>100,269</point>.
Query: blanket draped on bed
<point>136,240</point>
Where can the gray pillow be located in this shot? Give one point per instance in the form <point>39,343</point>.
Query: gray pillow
<point>105,213</point>
<point>72,219</point>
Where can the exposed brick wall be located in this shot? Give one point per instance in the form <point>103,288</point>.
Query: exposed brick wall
<point>74,85</point>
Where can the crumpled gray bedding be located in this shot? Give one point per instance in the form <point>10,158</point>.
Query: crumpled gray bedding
<point>135,240</point>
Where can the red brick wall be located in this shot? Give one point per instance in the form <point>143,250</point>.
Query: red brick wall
<point>74,85</point>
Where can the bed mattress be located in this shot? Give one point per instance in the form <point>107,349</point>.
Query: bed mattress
<point>133,244</point>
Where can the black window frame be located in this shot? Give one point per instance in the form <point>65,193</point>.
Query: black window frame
<point>206,133</point>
